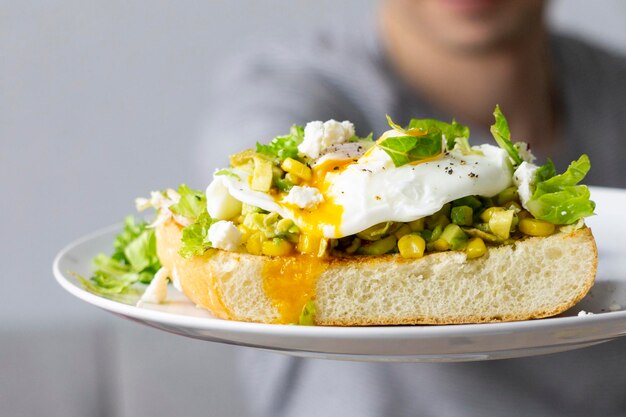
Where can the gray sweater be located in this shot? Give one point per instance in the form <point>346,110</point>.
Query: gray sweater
<point>345,75</point>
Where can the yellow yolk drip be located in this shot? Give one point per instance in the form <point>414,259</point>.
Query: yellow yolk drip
<point>290,283</point>
<point>327,213</point>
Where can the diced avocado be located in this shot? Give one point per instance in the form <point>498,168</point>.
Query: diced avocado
<point>455,236</point>
<point>462,215</point>
<point>378,247</point>
<point>501,222</point>
<point>262,174</point>
<point>438,219</point>
<point>436,233</point>
<point>376,232</point>
<point>469,201</point>
<point>509,194</point>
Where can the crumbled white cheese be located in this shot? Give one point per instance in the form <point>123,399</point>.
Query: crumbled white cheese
<point>219,203</point>
<point>224,235</point>
<point>320,135</point>
<point>156,292</point>
<point>615,307</point>
<point>524,178</point>
<point>583,313</point>
<point>304,197</point>
<point>525,153</point>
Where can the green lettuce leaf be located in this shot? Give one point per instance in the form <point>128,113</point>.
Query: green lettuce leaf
<point>559,199</point>
<point>451,131</point>
<point>283,147</point>
<point>192,203</point>
<point>134,260</point>
<point>463,145</point>
<point>405,149</point>
<point>502,135</point>
<point>195,239</point>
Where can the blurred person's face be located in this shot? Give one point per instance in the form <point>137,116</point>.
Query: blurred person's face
<point>470,25</point>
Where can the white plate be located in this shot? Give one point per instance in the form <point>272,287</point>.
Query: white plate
<point>394,343</point>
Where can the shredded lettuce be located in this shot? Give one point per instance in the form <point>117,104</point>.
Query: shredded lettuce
<point>134,260</point>
<point>463,145</point>
<point>405,149</point>
<point>559,199</point>
<point>502,135</point>
<point>195,239</point>
<point>192,203</point>
<point>451,131</point>
<point>283,147</point>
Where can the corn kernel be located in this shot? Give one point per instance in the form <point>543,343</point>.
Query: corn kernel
<point>411,246</point>
<point>245,233</point>
<point>296,168</point>
<point>276,247</point>
<point>254,244</point>
<point>535,227</point>
<point>475,248</point>
<point>441,245</point>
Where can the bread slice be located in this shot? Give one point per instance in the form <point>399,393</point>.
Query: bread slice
<point>532,278</point>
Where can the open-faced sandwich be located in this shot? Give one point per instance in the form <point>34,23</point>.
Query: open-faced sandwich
<point>323,227</point>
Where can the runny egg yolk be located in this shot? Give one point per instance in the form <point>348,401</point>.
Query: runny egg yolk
<point>327,213</point>
<point>290,282</point>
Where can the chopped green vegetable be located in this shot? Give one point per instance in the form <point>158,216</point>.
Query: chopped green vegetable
<point>283,147</point>
<point>307,317</point>
<point>134,260</point>
<point>557,198</point>
<point>454,236</point>
<point>470,201</point>
<point>502,135</point>
<point>462,215</point>
<point>192,203</point>
<point>195,239</point>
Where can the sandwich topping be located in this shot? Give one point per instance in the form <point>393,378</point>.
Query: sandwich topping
<point>323,191</point>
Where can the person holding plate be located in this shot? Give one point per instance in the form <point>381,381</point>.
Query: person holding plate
<point>438,59</point>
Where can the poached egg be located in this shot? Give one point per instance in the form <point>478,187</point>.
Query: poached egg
<point>357,193</point>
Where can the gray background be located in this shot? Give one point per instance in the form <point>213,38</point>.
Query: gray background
<point>101,102</point>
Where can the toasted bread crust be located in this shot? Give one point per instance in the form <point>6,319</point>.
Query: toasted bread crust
<point>533,278</point>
